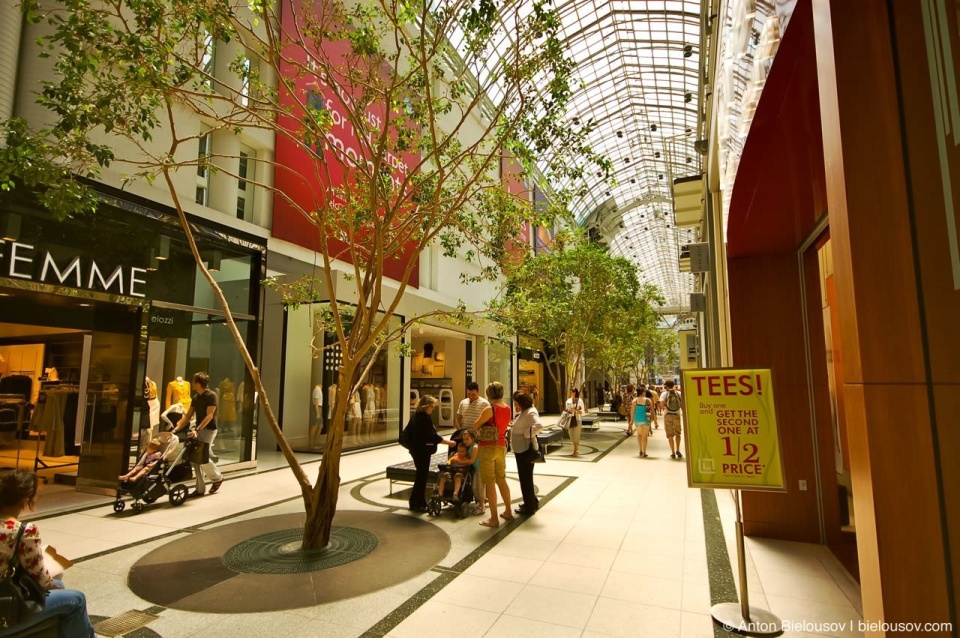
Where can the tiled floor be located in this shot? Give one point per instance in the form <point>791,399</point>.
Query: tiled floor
<point>618,550</point>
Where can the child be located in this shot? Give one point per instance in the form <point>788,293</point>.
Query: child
<point>473,452</point>
<point>146,462</point>
<point>461,462</point>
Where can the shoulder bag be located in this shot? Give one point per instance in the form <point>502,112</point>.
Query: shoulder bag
<point>21,597</point>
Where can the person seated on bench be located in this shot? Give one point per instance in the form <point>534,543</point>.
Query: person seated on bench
<point>18,489</point>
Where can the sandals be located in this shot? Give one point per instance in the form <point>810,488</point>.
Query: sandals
<point>508,517</point>
<point>489,524</point>
<point>477,511</point>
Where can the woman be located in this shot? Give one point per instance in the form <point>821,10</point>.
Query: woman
<point>523,439</point>
<point>18,489</point>
<point>423,445</point>
<point>575,407</point>
<point>628,401</point>
<point>643,427</point>
<point>492,433</point>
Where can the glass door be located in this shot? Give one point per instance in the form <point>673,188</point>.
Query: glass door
<point>105,408</point>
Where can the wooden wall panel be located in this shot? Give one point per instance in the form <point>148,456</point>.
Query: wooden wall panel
<point>766,315</point>
<point>872,190</point>
<point>941,299</point>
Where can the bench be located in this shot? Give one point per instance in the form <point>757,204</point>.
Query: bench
<point>407,472</point>
<point>548,437</point>
<point>49,627</point>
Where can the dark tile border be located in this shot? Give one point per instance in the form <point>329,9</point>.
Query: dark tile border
<point>723,588</point>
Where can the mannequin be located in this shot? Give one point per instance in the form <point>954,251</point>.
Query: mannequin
<point>227,410</point>
<point>332,393</point>
<point>153,402</point>
<point>317,417</point>
<point>178,391</point>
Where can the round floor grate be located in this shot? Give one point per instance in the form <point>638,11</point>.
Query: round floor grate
<point>279,552</point>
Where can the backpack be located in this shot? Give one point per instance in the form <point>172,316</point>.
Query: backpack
<point>406,435</point>
<point>673,401</point>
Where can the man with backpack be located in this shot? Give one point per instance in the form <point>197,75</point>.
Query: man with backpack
<point>670,400</point>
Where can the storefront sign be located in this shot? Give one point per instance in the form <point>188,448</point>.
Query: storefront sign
<point>731,430</point>
<point>24,261</point>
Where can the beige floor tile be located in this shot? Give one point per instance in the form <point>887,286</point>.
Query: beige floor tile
<point>508,568</point>
<point>434,618</point>
<point>647,590</point>
<point>632,620</point>
<point>514,627</point>
<point>552,606</point>
<point>573,578</point>
<point>583,555</point>
<point>481,593</point>
<point>696,625</point>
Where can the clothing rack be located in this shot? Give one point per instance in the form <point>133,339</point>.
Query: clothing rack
<point>11,404</point>
<point>55,420</point>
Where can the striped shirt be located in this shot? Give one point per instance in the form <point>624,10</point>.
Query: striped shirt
<point>472,411</point>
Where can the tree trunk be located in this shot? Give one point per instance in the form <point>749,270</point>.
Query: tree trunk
<point>321,505</point>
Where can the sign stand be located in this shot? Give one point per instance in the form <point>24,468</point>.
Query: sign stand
<point>742,618</point>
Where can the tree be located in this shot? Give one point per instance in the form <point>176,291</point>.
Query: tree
<point>621,338</point>
<point>661,353</point>
<point>398,137</point>
<point>564,296</point>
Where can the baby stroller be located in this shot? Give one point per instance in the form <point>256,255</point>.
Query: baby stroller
<point>462,501</point>
<point>166,477</point>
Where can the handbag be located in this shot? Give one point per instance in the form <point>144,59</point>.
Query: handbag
<point>21,597</point>
<point>488,433</point>
<point>538,453</point>
<point>564,421</point>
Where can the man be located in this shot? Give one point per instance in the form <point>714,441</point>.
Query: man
<point>471,408</point>
<point>204,404</point>
<point>670,401</point>
<point>468,412</point>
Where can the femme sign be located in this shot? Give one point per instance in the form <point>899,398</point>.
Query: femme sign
<point>19,260</point>
<point>302,181</point>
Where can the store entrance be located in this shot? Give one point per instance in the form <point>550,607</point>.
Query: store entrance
<point>67,366</point>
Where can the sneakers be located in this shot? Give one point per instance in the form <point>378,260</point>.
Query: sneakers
<point>216,486</point>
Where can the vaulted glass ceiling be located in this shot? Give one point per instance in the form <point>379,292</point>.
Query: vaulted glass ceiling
<point>638,61</point>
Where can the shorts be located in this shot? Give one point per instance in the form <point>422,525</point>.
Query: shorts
<point>671,424</point>
<point>493,463</point>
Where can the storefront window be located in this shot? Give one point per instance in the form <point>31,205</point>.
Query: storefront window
<point>310,388</point>
<point>500,360</point>
<point>197,342</point>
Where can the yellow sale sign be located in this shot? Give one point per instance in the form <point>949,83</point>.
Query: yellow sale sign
<point>731,429</point>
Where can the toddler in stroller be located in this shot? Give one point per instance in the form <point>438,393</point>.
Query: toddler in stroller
<point>154,475</point>
<point>459,468</point>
